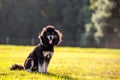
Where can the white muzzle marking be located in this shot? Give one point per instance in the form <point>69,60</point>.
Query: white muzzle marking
<point>50,38</point>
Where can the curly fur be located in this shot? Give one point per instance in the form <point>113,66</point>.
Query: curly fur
<point>40,57</point>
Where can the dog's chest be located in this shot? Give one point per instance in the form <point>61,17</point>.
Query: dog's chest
<point>47,54</point>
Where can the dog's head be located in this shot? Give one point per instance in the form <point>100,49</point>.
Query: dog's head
<point>50,36</point>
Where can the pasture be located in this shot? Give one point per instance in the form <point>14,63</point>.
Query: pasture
<point>67,63</point>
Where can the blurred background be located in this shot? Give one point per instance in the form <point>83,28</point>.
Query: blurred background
<point>84,23</point>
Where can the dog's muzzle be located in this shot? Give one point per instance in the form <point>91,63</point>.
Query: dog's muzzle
<point>50,38</point>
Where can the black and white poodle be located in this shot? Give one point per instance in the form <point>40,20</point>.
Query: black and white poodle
<point>40,57</point>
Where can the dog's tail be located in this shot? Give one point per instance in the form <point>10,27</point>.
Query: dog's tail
<point>16,66</point>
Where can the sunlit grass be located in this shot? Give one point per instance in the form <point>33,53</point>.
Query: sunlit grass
<point>67,64</point>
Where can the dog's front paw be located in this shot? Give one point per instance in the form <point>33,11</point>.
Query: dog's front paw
<point>29,70</point>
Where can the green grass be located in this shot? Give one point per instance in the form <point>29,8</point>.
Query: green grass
<point>67,64</point>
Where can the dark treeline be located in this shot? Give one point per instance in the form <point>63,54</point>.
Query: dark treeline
<point>75,18</point>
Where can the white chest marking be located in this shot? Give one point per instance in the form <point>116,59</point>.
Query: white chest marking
<point>47,53</point>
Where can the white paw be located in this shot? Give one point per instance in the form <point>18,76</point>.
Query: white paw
<point>29,70</point>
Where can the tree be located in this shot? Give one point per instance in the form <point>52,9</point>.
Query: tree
<point>106,20</point>
<point>25,18</point>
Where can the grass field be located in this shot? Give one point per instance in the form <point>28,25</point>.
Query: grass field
<point>67,64</point>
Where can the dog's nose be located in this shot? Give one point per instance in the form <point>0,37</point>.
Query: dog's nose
<point>51,37</point>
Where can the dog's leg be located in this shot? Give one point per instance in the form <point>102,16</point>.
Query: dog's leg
<point>29,64</point>
<point>44,62</point>
<point>42,68</point>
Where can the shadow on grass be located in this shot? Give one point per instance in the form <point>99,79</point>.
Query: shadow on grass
<point>64,77</point>
<point>49,74</point>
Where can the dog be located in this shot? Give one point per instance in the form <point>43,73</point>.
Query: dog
<point>40,57</point>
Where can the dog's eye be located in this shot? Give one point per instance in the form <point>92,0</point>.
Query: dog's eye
<point>52,33</point>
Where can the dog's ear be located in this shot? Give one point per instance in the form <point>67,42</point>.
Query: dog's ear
<point>58,38</point>
<point>41,33</point>
<point>40,36</point>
